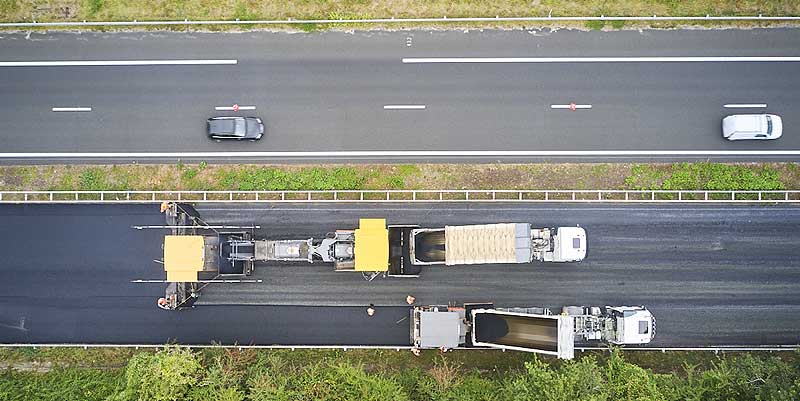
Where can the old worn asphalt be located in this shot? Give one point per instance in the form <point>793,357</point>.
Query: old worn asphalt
<point>325,92</point>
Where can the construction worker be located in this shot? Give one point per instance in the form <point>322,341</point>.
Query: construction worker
<point>162,303</point>
<point>410,299</point>
<point>371,310</point>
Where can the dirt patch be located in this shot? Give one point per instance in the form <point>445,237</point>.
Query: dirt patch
<point>35,367</point>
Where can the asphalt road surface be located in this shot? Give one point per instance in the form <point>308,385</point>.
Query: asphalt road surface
<point>715,275</point>
<point>325,93</point>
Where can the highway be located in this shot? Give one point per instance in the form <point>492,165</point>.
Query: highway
<point>712,275</point>
<point>325,94</point>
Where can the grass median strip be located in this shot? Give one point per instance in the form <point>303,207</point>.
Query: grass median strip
<point>610,176</point>
<point>126,10</point>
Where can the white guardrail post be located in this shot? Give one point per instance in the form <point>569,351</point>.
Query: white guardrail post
<point>392,20</point>
<point>410,196</point>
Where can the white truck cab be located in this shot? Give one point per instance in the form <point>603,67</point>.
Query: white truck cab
<point>570,245</point>
<point>635,325</point>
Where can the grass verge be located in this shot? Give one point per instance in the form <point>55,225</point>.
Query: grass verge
<point>677,176</point>
<point>117,10</point>
<point>219,374</point>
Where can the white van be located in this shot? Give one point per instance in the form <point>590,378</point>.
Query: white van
<point>752,126</point>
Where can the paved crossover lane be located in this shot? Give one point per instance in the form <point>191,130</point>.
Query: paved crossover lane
<point>711,275</point>
<point>325,92</point>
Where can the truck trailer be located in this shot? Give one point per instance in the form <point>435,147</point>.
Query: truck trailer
<point>532,329</point>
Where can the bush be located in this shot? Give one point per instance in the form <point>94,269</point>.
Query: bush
<point>92,179</point>
<point>229,375</point>
<point>164,376</point>
<point>595,25</point>
<point>321,381</point>
<point>747,378</point>
<point>626,381</point>
<point>94,7</point>
<point>581,380</point>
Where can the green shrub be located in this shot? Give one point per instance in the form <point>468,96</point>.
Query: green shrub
<point>582,380</point>
<point>472,388</point>
<point>595,25</point>
<point>618,24</point>
<point>626,381</point>
<point>229,375</point>
<point>323,382</point>
<point>189,174</point>
<point>747,378</point>
<point>94,7</point>
<point>92,179</point>
<point>644,177</point>
<point>307,27</point>
<point>166,375</point>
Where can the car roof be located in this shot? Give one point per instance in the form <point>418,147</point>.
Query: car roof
<point>224,126</point>
<point>749,123</point>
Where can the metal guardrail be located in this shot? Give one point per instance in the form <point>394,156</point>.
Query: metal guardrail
<point>447,195</point>
<point>715,349</point>
<point>392,20</point>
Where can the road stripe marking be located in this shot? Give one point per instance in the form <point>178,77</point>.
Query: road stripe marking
<point>404,107</point>
<point>433,60</point>
<point>230,108</point>
<point>71,109</point>
<point>83,63</point>
<point>745,105</point>
<point>567,106</point>
<point>399,154</point>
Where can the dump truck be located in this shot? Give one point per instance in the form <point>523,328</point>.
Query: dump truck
<point>530,329</point>
<point>194,253</point>
<point>496,243</point>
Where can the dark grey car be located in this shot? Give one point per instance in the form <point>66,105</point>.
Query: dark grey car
<point>238,128</point>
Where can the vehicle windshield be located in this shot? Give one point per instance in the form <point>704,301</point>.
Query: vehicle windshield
<point>769,125</point>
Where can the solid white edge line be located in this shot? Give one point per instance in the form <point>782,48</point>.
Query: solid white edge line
<point>230,108</point>
<point>400,153</point>
<point>745,105</point>
<point>431,60</point>
<point>71,109</point>
<point>566,106</point>
<point>78,63</point>
<point>404,107</point>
